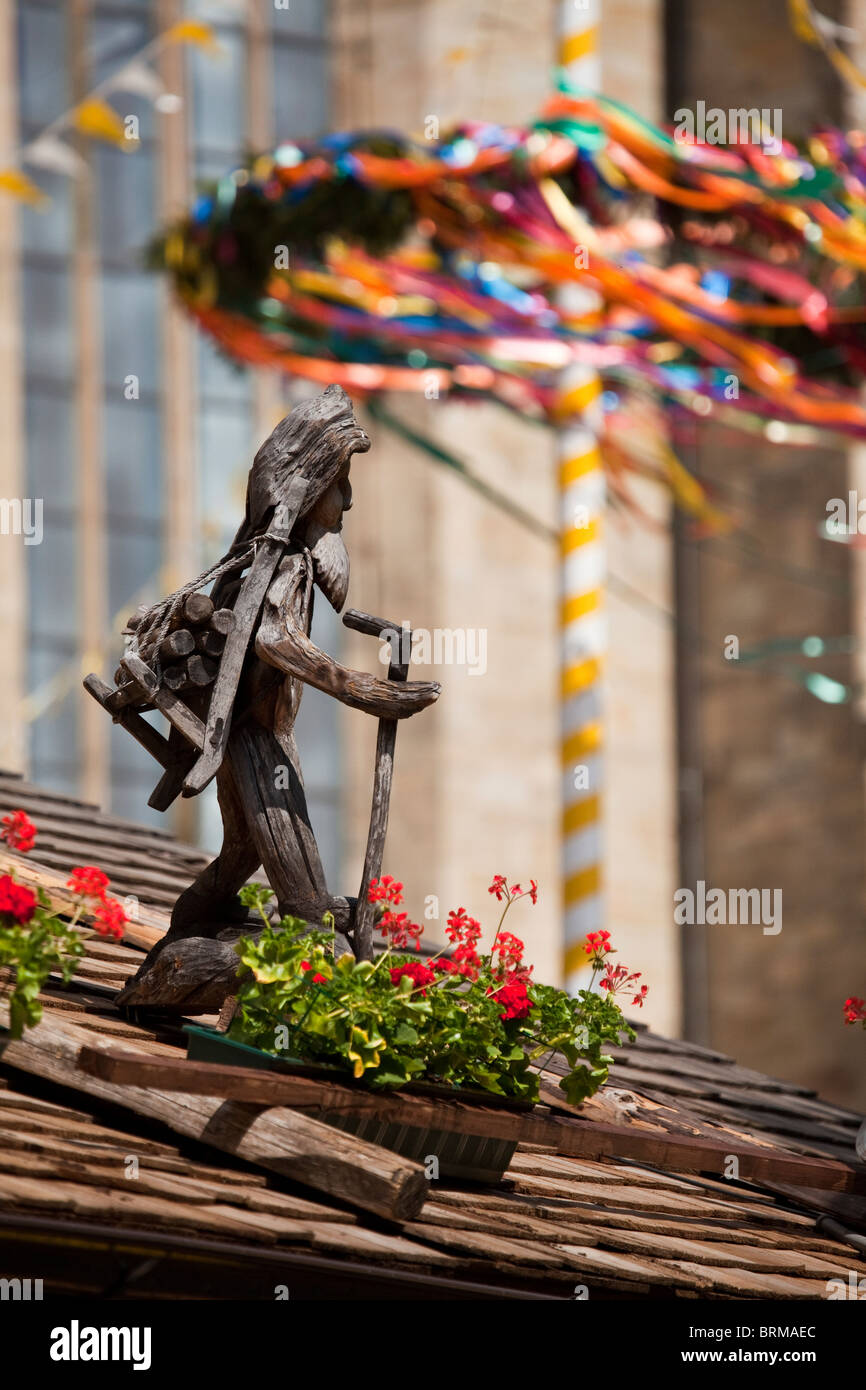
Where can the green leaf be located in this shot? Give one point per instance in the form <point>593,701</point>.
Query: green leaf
<point>405,1035</point>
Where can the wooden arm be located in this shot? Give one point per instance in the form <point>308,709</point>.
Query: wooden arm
<point>294,653</point>
<point>281,641</point>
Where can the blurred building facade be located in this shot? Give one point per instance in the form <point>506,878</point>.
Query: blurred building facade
<point>771,779</point>
<point>140,494</point>
<point>133,431</point>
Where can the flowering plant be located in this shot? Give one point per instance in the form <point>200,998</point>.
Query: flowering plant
<point>855,1010</point>
<point>469,1019</point>
<point>34,942</point>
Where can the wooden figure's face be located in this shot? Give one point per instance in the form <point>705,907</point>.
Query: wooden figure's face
<point>325,542</point>
<point>337,499</point>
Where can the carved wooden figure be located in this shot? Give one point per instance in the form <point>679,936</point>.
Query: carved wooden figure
<point>227,670</point>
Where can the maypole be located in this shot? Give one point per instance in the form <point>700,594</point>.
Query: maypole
<point>582,568</point>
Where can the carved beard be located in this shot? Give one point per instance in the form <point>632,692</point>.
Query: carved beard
<point>330,561</point>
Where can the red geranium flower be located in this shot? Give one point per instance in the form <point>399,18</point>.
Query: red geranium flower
<point>614,977</point>
<point>109,919</point>
<point>510,950</point>
<point>510,968</point>
<point>617,980</point>
<point>464,932</point>
<point>597,943</point>
<point>515,999</point>
<point>18,831</point>
<point>317,979</point>
<point>854,1010</point>
<point>16,900</point>
<point>418,973</point>
<point>499,888</point>
<point>385,890</point>
<point>88,882</point>
<point>462,929</point>
<point>401,933</point>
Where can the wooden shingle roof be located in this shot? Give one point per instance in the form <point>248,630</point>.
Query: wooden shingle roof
<point>116,1203</point>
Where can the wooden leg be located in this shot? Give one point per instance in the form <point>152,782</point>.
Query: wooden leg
<point>267,778</point>
<point>209,904</point>
<point>188,970</point>
<point>265,821</point>
<point>193,975</point>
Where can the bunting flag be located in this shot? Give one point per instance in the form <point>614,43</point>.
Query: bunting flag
<point>822,32</point>
<point>97,120</point>
<point>48,152</point>
<point>18,185</point>
<point>139,79</point>
<point>100,121</point>
<point>194,32</point>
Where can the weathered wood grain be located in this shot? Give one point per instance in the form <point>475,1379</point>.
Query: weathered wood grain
<point>174,677</point>
<point>144,733</point>
<point>200,670</point>
<point>135,619</point>
<point>246,610</point>
<point>287,1142</point>
<point>174,709</point>
<point>210,643</point>
<point>222,620</point>
<point>282,642</point>
<point>169,786</point>
<point>383,776</point>
<point>570,1137</point>
<point>177,644</point>
<point>193,975</point>
<point>196,609</point>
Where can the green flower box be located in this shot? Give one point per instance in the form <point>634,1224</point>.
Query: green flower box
<point>469,1157</point>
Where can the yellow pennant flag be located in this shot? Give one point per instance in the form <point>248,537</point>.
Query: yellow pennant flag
<point>97,119</point>
<point>800,14</point>
<point>17,185</point>
<point>690,495</point>
<point>822,32</point>
<point>194,32</point>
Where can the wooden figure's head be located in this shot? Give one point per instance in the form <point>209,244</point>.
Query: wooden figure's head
<point>316,440</point>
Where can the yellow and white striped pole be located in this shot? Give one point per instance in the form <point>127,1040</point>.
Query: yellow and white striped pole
<point>582,572</point>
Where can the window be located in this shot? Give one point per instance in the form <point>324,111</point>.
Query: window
<point>132,377</point>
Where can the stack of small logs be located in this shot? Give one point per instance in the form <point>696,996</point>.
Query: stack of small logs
<point>189,653</point>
